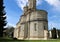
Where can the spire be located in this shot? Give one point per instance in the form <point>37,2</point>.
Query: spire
<point>32,4</point>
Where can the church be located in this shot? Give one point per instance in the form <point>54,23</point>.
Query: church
<point>33,23</point>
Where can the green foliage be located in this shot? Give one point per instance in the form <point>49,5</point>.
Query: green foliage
<point>54,33</point>
<point>9,31</point>
<point>59,33</point>
<point>2,18</point>
<point>11,40</point>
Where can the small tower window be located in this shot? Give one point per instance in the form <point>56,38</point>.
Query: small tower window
<point>35,26</point>
<point>44,28</point>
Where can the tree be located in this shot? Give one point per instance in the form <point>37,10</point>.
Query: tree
<point>54,33</point>
<point>10,31</point>
<point>2,18</point>
<point>58,33</point>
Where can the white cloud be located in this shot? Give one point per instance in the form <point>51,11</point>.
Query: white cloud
<point>22,3</point>
<point>10,24</point>
<point>54,3</point>
<point>38,2</point>
<point>54,24</point>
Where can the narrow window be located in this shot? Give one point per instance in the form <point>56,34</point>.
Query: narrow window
<point>44,28</point>
<point>35,26</point>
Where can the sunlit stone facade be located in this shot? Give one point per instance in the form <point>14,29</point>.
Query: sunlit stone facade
<point>33,24</point>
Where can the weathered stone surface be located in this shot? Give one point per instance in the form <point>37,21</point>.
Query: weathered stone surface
<point>33,24</point>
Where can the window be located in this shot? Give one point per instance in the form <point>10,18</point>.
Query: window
<point>44,28</point>
<point>35,26</point>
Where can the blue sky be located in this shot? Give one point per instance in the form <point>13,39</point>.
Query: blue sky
<point>14,9</point>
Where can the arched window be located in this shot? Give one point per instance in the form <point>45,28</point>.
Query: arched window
<point>35,26</point>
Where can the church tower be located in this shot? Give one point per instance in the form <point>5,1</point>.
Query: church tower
<point>33,24</point>
<point>32,4</point>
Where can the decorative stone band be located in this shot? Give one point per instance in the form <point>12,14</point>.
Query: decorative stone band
<point>33,10</point>
<point>31,37</point>
<point>35,20</point>
<point>35,37</point>
<point>21,36</point>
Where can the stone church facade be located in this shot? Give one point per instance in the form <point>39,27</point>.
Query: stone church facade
<point>33,24</point>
